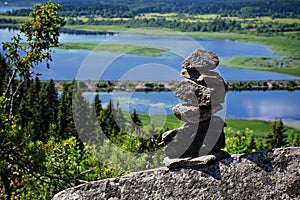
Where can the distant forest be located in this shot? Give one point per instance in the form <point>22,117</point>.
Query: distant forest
<point>131,8</point>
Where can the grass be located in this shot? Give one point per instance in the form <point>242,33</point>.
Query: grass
<point>250,62</point>
<point>209,17</point>
<point>259,127</point>
<point>118,48</point>
<point>19,19</point>
<point>122,29</point>
<point>281,20</point>
<point>171,121</point>
<point>167,16</point>
<point>176,16</point>
<point>280,44</point>
<point>97,18</point>
<point>98,28</point>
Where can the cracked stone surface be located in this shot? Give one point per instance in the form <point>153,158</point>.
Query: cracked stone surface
<point>193,139</point>
<point>201,60</point>
<point>269,174</point>
<point>195,94</point>
<point>195,114</point>
<point>209,79</point>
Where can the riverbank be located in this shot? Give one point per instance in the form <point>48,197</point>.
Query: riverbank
<point>281,45</point>
<point>285,46</point>
<point>166,86</point>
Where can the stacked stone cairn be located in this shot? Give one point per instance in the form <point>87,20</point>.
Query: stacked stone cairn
<point>201,137</point>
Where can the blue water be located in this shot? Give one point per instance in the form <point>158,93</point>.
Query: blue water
<point>263,105</point>
<point>238,105</point>
<point>84,64</point>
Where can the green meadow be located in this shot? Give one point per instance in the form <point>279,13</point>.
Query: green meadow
<point>292,67</point>
<point>259,127</point>
<point>118,48</point>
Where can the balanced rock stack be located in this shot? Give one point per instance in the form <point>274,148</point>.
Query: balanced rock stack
<point>202,134</point>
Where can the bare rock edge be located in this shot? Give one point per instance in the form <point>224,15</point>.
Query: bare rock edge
<point>267,174</point>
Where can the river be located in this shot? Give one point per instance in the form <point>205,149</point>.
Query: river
<point>238,105</point>
<point>84,64</point>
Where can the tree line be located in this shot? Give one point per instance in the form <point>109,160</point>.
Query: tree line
<point>47,128</point>
<point>128,8</point>
<point>214,25</point>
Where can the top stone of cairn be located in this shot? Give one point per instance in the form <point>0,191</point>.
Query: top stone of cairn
<point>201,60</point>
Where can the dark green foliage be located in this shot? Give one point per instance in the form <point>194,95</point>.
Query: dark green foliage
<point>107,121</point>
<point>5,72</point>
<point>65,123</point>
<point>128,8</point>
<point>243,141</point>
<point>276,138</point>
<point>154,86</point>
<point>240,141</point>
<point>105,86</point>
<point>97,104</point>
<point>41,147</point>
<point>135,118</point>
<point>293,139</point>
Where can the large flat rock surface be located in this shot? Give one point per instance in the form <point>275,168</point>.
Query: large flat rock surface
<point>270,174</point>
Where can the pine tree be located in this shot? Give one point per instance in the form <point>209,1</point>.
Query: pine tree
<point>36,108</point>
<point>5,72</point>
<point>120,118</point>
<point>52,101</point>
<point>48,102</point>
<point>81,113</point>
<point>136,122</point>
<point>98,104</point>
<point>65,122</point>
<point>276,138</point>
<point>107,120</point>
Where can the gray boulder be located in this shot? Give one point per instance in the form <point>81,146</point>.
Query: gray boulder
<point>201,60</point>
<point>199,95</point>
<point>195,139</point>
<point>193,93</point>
<point>195,114</point>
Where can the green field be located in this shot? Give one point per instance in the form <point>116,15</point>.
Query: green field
<point>259,127</point>
<point>292,67</point>
<point>280,45</point>
<point>208,17</point>
<point>170,120</point>
<point>97,28</point>
<point>19,19</point>
<point>177,17</point>
<point>118,48</point>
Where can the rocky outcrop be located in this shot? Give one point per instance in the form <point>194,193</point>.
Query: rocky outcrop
<point>270,174</point>
<point>203,91</point>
